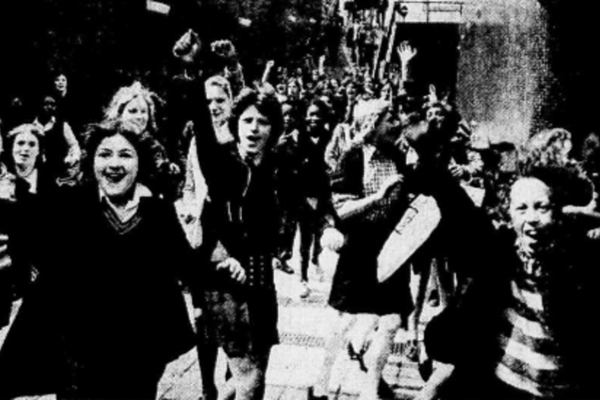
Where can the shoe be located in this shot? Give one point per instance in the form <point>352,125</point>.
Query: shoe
<point>282,266</point>
<point>426,369</point>
<point>311,395</point>
<point>305,292</point>
<point>385,391</point>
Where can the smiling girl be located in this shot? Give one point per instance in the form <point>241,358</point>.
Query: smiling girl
<point>106,313</point>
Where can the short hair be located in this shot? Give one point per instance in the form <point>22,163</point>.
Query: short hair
<point>127,94</point>
<point>266,103</point>
<point>36,130</point>
<point>96,134</point>
<point>220,82</point>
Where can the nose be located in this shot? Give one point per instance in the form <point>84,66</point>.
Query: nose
<point>531,217</point>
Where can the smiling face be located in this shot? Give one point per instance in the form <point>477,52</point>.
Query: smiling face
<point>532,212</point>
<point>116,166</point>
<point>219,104</point>
<point>254,130</point>
<point>26,150</point>
<point>314,120</point>
<point>60,83</point>
<point>288,118</point>
<point>136,115</point>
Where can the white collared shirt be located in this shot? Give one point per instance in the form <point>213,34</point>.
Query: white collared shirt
<point>127,212</point>
<point>32,179</point>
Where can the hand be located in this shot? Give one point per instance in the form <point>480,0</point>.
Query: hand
<point>406,52</point>
<point>235,269</point>
<point>390,184</point>
<point>5,260</point>
<point>174,169</point>
<point>432,97</point>
<point>187,47</point>
<point>594,234</point>
<point>332,239</point>
<point>270,64</point>
<point>457,171</point>
<point>366,130</point>
<point>72,159</point>
<point>225,49</point>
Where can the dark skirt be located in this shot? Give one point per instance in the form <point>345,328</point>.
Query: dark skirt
<point>242,318</point>
<point>356,289</point>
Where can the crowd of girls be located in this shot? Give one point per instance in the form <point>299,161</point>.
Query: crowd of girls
<point>101,231</point>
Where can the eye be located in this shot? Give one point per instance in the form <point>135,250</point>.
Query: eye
<point>103,153</point>
<point>126,154</point>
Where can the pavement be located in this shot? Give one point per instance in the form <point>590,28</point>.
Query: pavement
<point>305,325</point>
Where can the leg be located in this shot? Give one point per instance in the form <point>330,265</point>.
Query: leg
<point>335,344</point>
<point>248,377</point>
<point>306,237</point>
<point>378,354</point>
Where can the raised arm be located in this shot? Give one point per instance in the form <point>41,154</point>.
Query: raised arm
<point>406,53</point>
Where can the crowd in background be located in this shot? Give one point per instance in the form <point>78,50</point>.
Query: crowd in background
<point>207,186</point>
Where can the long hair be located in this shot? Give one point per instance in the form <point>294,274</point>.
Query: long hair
<point>127,94</point>
<point>37,131</point>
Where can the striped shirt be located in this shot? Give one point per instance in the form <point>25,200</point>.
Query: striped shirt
<point>532,359</point>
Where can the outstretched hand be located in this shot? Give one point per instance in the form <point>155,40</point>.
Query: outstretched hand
<point>406,52</point>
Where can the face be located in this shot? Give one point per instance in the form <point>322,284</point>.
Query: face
<point>434,114</point>
<point>281,88</point>
<point>116,166</point>
<point>136,115</point>
<point>293,89</point>
<point>254,130</point>
<point>60,83</point>
<point>314,120</point>
<point>386,92</point>
<point>531,211</point>
<point>219,104</point>
<point>288,118</point>
<point>26,149</point>
<point>49,106</point>
<point>351,92</point>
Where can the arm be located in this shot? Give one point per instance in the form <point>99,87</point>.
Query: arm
<point>351,208</point>
<point>74,153</point>
<point>268,71</point>
<point>406,53</point>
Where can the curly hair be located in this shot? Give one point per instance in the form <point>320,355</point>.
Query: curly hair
<point>266,103</point>
<point>127,94</point>
<point>96,134</point>
<point>567,181</point>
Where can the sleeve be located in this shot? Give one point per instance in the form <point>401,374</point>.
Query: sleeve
<point>74,149</point>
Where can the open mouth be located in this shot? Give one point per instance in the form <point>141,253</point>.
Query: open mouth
<point>114,177</point>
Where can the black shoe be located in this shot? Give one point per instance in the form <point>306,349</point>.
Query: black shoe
<point>426,369</point>
<point>384,391</point>
<point>283,266</point>
<point>311,395</point>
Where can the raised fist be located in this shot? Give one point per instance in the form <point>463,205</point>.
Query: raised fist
<point>187,47</point>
